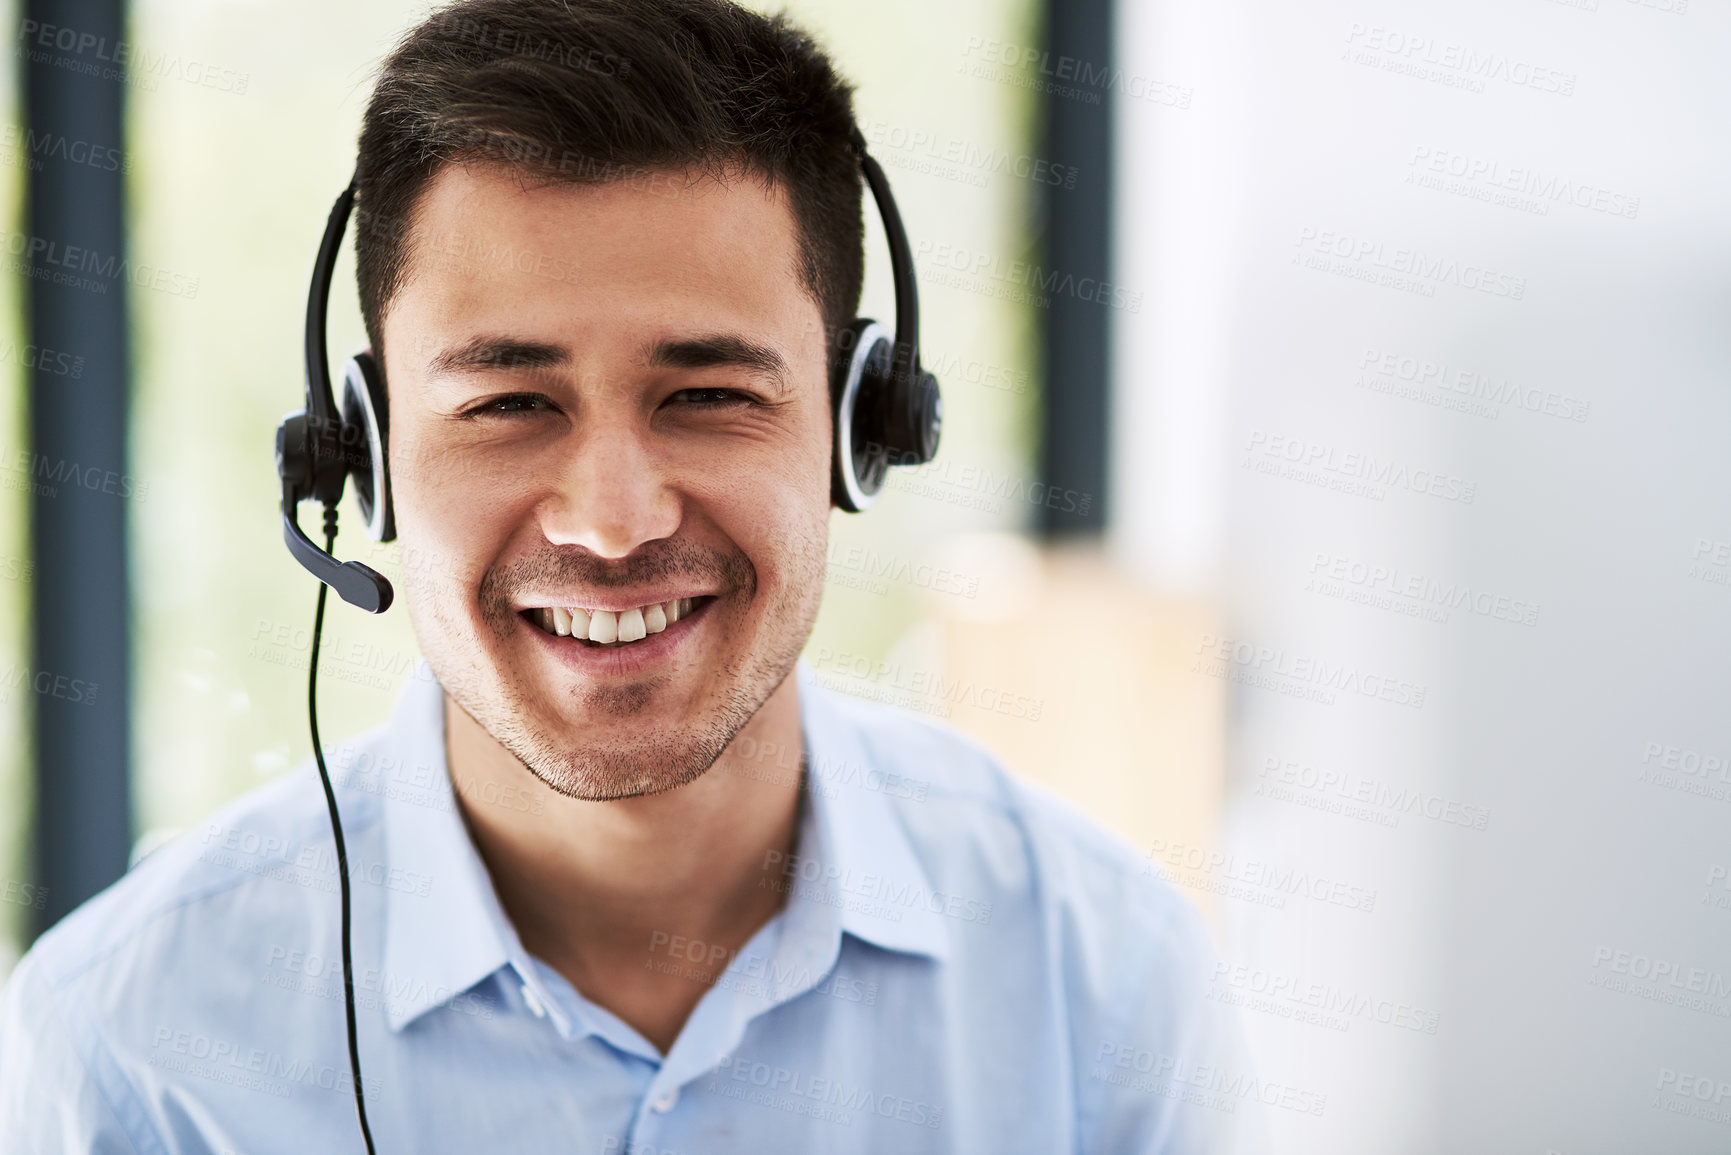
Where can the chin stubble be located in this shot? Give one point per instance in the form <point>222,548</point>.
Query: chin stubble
<point>625,759</point>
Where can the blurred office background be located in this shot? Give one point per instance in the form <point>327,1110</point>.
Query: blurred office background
<point>1333,499</point>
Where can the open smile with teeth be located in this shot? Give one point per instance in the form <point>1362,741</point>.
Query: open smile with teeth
<point>608,628</point>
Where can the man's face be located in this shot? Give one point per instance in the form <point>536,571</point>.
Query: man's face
<point>605,398</point>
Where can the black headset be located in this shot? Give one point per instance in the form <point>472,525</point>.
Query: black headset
<point>885,410</point>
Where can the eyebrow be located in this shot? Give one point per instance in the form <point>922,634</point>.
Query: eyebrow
<point>720,350</point>
<point>497,353</point>
<point>715,350</point>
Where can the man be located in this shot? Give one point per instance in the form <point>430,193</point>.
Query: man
<point>627,878</point>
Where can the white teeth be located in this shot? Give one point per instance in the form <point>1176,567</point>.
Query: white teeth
<point>604,626</point>
<point>609,627</point>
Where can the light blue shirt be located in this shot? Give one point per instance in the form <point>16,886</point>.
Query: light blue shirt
<point>963,963</point>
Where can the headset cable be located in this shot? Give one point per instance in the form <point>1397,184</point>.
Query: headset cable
<point>337,831</point>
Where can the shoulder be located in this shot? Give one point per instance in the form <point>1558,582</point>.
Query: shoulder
<point>173,948</point>
<point>1124,960</point>
<point>972,821</point>
<point>183,926</point>
<point>237,859</point>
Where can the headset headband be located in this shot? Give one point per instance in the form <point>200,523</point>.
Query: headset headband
<point>907,347</point>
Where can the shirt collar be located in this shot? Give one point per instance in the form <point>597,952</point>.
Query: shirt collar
<point>445,929</point>
<point>441,942</point>
<point>863,864</point>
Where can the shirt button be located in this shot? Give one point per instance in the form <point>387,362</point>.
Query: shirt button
<point>665,1104</point>
<point>535,1006</point>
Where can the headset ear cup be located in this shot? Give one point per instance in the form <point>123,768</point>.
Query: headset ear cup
<point>931,414</point>
<point>915,419</point>
<point>860,460</point>
<point>366,443</point>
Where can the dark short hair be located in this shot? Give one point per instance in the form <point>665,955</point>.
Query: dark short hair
<point>590,91</point>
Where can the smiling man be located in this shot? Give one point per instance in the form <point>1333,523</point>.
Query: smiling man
<point>627,877</point>
<point>638,449</point>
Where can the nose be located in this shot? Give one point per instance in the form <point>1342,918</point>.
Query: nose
<point>611,492</point>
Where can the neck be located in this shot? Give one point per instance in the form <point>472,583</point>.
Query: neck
<point>594,887</point>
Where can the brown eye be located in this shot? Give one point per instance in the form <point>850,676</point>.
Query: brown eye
<point>510,405</point>
<point>715,398</point>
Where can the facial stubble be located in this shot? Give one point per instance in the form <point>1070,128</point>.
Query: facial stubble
<point>623,753</point>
